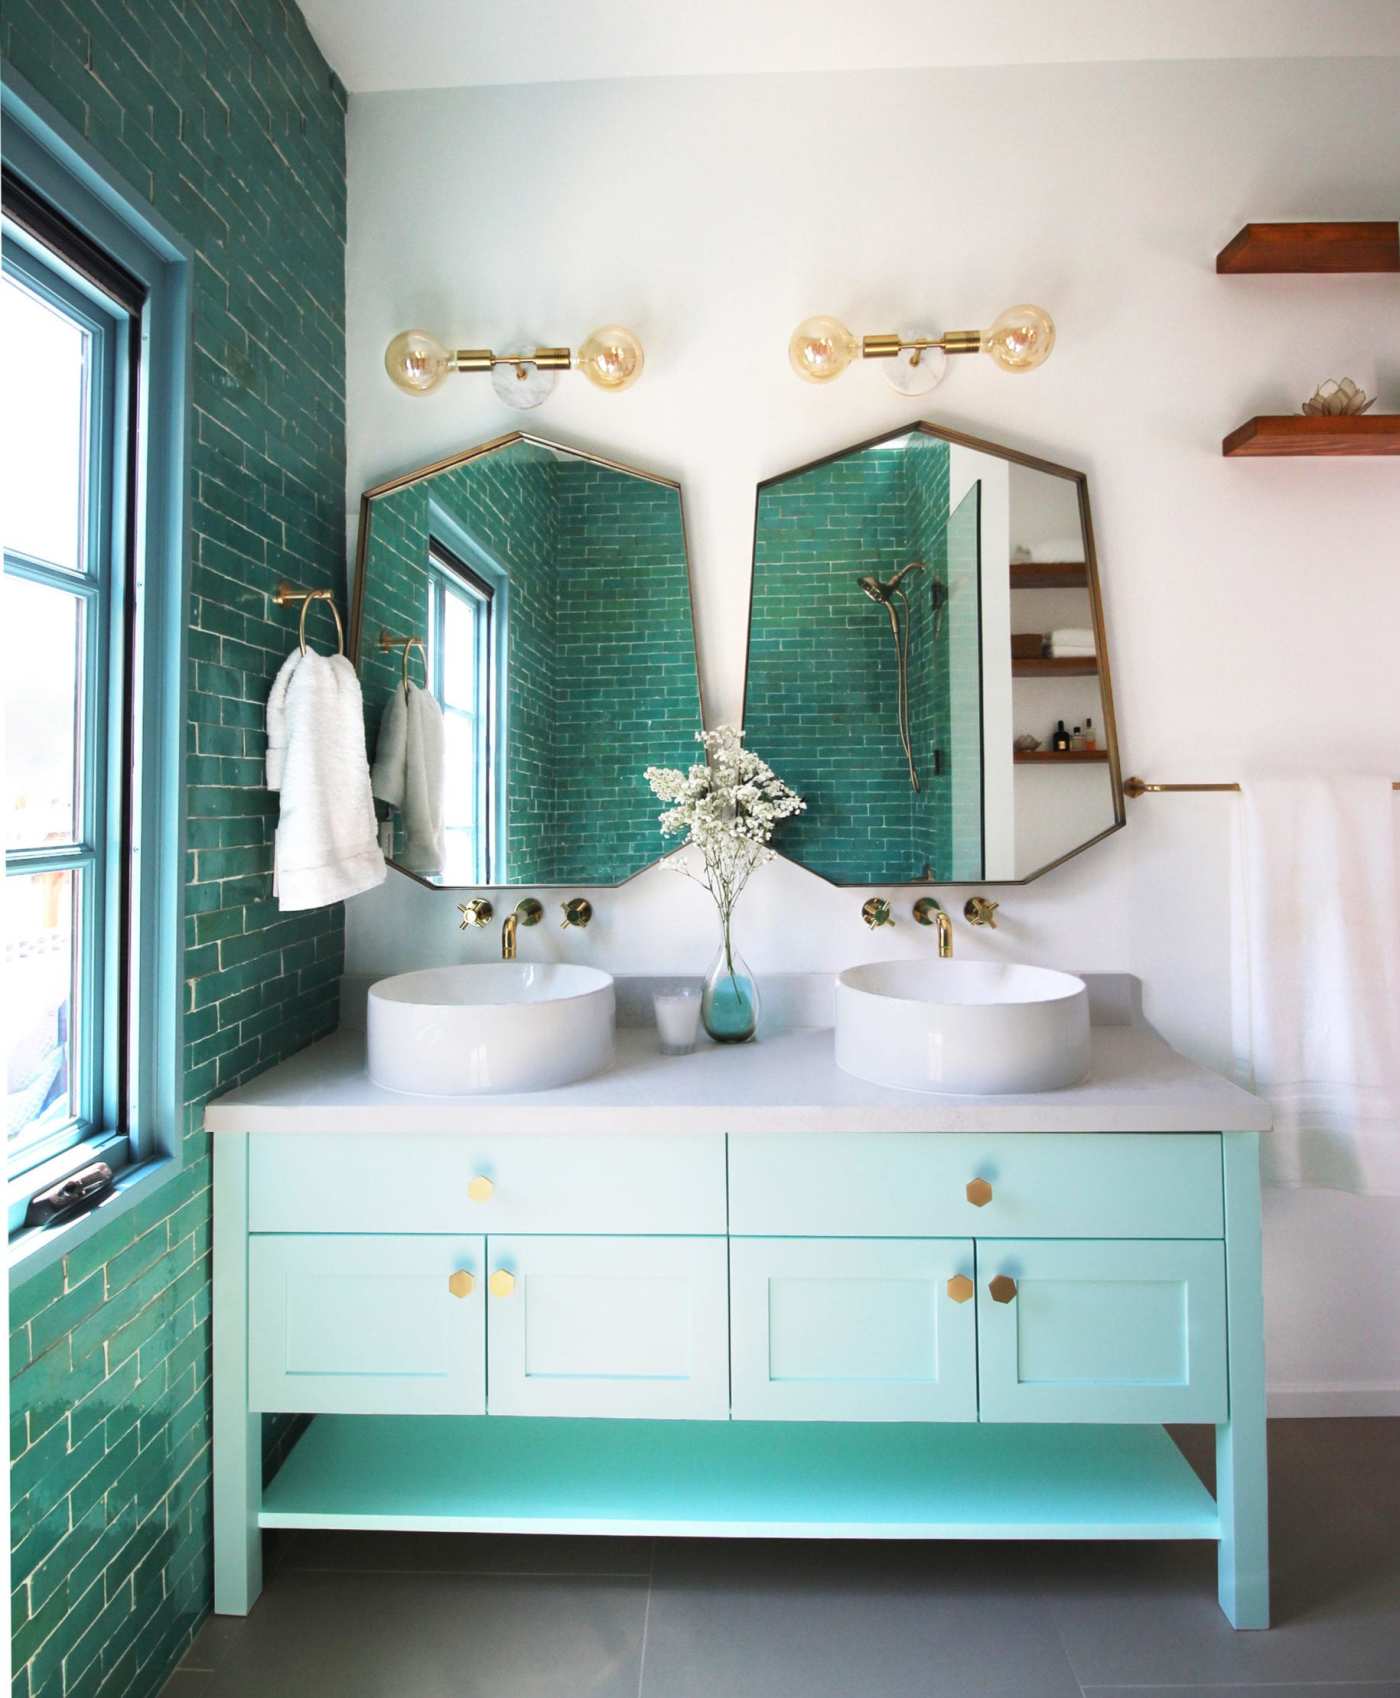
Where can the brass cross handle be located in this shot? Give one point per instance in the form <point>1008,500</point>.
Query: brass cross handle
<point>876,913</point>
<point>477,912</point>
<point>981,911</point>
<point>578,911</point>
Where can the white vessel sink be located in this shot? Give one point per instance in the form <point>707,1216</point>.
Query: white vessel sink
<point>494,1026</point>
<point>971,1027</point>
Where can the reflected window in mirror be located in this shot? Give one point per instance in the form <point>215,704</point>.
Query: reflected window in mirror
<point>461,620</point>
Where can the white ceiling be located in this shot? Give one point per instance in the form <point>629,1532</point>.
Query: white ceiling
<point>404,44</point>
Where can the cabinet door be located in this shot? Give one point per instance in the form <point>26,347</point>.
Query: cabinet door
<point>608,1326</point>
<point>853,1329</point>
<point>1101,1330</point>
<point>367,1326</point>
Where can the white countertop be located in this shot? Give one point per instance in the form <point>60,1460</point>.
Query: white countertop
<point>787,1082</point>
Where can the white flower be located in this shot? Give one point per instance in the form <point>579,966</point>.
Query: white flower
<point>728,808</point>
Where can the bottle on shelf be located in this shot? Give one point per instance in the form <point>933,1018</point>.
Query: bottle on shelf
<point>1076,739</point>
<point>1091,737</point>
<point>1060,741</point>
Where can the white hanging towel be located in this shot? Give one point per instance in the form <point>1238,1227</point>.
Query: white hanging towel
<point>408,772</point>
<point>325,848</point>
<point>1317,977</point>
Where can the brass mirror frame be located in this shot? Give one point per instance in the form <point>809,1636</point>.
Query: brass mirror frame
<point>449,463</point>
<point>1091,571</point>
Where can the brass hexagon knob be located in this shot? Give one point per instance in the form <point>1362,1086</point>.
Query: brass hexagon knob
<point>461,1284</point>
<point>960,1288</point>
<point>480,1189</point>
<point>502,1283</point>
<point>1002,1288</point>
<point>979,1193</point>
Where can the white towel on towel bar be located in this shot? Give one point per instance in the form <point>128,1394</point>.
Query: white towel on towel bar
<point>408,772</point>
<point>1317,976</point>
<point>325,848</point>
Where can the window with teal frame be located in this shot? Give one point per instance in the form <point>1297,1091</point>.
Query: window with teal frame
<point>69,353</point>
<point>461,674</point>
<point>94,339</point>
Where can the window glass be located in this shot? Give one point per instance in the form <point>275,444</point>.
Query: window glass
<point>41,1008</point>
<point>43,439</point>
<point>44,711</point>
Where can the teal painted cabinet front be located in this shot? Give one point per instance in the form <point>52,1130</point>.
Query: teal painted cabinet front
<point>852,1329</point>
<point>366,1326</point>
<point>1101,1330</point>
<point>608,1327</point>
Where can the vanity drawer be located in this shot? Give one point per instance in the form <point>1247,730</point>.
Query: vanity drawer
<point>1036,1184</point>
<point>340,1182</point>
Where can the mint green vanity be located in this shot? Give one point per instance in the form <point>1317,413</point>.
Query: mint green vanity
<point>865,1333</point>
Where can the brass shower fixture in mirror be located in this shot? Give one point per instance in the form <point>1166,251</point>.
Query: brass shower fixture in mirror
<point>922,731</point>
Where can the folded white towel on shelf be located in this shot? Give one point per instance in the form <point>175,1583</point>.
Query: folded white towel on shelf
<point>408,773</point>
<point>1079,637</point>
<point>1058,651</point>
<point>325,848</point>
<point>1317,976</point>
<point>1059,551</point>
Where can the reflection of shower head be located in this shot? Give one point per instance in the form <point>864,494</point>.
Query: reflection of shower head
<point>878,591</point>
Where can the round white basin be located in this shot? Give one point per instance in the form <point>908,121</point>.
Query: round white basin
<point>492,1026</point>
<point>966,1027</point>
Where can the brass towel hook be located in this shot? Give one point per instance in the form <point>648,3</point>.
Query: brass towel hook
<point>286,595</point>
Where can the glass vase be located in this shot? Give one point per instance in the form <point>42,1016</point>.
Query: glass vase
<point>729,1001</point>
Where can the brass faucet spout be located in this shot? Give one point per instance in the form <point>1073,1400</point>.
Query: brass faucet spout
<point>945,935</point>
<point>508,931</point>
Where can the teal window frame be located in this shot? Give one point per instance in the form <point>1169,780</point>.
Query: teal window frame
<point>99,583</point>
<point>142,1136</point>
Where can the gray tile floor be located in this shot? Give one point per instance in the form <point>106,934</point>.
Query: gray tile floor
<point>350,1615</point>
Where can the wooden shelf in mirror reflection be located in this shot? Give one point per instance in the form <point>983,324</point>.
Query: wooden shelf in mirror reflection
<point>1049,575</point>
<point>1297,248</point>
<point>1057,757</point>
<point>1296,434</point>
<point>1049,666</point>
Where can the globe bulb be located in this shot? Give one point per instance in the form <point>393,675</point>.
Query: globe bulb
<point>416,361</point>
<point>1021,339</point>
<point>612,358</point>
<point>821,348</point>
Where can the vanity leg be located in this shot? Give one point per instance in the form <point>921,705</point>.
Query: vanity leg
<point>1241,1444</point>
<point>237,1433</point>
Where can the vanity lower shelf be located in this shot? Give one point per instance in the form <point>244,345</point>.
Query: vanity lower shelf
<point>737,1479</point>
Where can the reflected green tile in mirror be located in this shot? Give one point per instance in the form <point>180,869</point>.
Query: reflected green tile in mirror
<point>551,590</point>
<point>889,580</point>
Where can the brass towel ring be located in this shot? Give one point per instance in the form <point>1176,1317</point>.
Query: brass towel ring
<point>407,644</point>
<point>284,595</point>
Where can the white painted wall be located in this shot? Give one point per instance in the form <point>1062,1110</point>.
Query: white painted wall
<point>1253,608</point>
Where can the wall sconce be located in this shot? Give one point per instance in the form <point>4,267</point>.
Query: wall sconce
<point>1019,340</point>
<point>611,358</point>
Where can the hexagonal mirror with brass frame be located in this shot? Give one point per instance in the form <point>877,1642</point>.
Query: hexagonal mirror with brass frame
<point>541,595</point>
<point>925,619</point>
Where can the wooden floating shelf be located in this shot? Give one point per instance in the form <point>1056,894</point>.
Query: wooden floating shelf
<point>1298,248</point>
<point>1048,666</point>
<point>1057,757</point>
<point>775,1479</point>
<point>1295,434</point>
<point>1050,575</point>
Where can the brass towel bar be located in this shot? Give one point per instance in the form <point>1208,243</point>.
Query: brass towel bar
<point>1135,787</point>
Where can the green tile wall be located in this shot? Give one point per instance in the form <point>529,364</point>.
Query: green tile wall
<point>227,119</point>
<point>602,679</point>
<point>822,689</point>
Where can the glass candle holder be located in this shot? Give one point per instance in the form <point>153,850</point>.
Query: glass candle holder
<point>677,1010</point>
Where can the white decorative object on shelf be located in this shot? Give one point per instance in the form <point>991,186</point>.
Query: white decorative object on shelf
<point>1336,397</point>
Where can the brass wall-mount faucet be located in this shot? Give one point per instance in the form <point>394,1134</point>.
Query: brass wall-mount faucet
<point>527,912</point>
<point>876,913</point>
<point>981,911</point>
<point>477,912</point>
<point>929,911</point>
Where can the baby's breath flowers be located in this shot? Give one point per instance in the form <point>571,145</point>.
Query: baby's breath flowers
<point>728,807</point>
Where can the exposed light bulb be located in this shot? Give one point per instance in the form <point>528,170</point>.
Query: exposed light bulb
<point>611,358</point>
<point>416,361</point>
<point>1020,339</point>
<point>821,348</point>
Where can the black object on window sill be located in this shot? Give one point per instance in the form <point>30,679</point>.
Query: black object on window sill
<point>79,1191</point>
